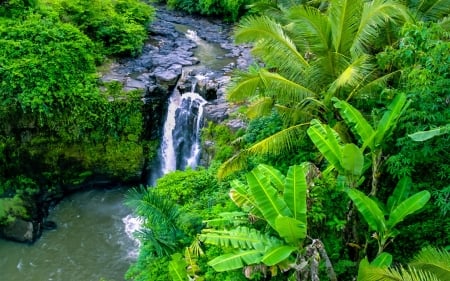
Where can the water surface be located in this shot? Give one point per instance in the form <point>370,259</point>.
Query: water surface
<point>90,243</point>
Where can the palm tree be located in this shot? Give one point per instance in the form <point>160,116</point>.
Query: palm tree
<point>310,57</point>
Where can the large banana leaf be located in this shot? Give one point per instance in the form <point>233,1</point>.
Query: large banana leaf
<point>275,176</point>
<point>235,260</point>
<point>382,260</point>
<point>292,230</point>
<point>278,254</point>
<point>426,135</point>
<point>266,197</point>
<point>407,207</point>
<point>177,268</point>
<point>295,192</point>
<point>390,118</point>
<point>352,159</point>
<point>401,192</point>
<point>326,141</point>
<point>355,120</point>
<point>240,195</point>
<point>369,210</point>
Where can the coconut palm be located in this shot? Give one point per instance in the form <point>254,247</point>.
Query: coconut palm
<point>309,57</point>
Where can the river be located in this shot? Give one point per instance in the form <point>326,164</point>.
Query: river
<point>89,244</point>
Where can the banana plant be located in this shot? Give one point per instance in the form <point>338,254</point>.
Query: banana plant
<point>281,202</point>
<point>399,206</point>
<point>347,159</point>
<point>373,138</point>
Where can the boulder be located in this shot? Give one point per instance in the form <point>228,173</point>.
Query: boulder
<point>21,230</point>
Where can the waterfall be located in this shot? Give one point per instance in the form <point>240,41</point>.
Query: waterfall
<point>180,145</point>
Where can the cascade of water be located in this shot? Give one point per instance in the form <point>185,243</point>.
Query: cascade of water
<point>180,145</point>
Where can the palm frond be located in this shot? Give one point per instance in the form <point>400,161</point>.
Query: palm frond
<point>156,210</point>
<point>375,15</point>
<point>262,106</point>
<point>344,18</point>
<point>284,90</point>
<point>255,29</point>
<point>372,273</point>
<point>276,144</point>
<point>433,260</point>
<point>310,30</point>
<point>353,75</point>
<point>369,85</point>
<point>244,86</point>
<point>433,10</point>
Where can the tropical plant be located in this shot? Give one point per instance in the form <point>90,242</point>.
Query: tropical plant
<point>310,57</point>
<point>281,202</point>
<point>429,264</point>
<point>426,135</point>
<point>399,205</point>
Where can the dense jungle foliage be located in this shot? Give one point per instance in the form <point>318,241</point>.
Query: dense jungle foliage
<point>59,125</point>
<point>342,172</point>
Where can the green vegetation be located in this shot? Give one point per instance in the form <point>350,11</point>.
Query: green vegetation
<point>58,126</point>
<point>229,10</point>
<point>357,91</point>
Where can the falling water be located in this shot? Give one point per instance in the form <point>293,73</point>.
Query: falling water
<point>180,145</point>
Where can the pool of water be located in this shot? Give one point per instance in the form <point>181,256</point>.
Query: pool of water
<point>90,243</point>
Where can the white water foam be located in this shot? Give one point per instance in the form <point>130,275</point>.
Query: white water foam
<point>132,225</point>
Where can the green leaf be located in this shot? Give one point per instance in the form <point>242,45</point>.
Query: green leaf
<point>407,207</point>
<point>369,210</point>
<point>326,141</point>
<point>355,120</point>
<point>390,118</point>
<point>433,260</point>
<point>382,260</point>
<point>277,255</point>
<point>426,135</point>
<point>267,200</point>
<point>235,260</point>
<point>295,191</point>
<point>177,268</point>
<point>400,193</point>
<point>292,230</point>
<point>352,159</point>
<point>275,176</point>
<point>239,237</point>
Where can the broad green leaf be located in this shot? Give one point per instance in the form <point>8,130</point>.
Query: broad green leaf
<point>326,141</point>
<point>292,230</point>
<point>369,210</point>
<point>295,191</point>
<point>235,260</point>
<point>355,120</point>
<point>275,176</point>
<point>277,255</point>
<point>267,200</point>
<point>407,207</point>
<point>240,194</point>
<point>401,192</point>
<point>390,118</point>
<point>177,268</point>
<point>382,260</point>
<point>426,135</point>
<point>352,159</point>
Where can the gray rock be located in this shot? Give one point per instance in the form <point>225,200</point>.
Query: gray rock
<point>21,230</point>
